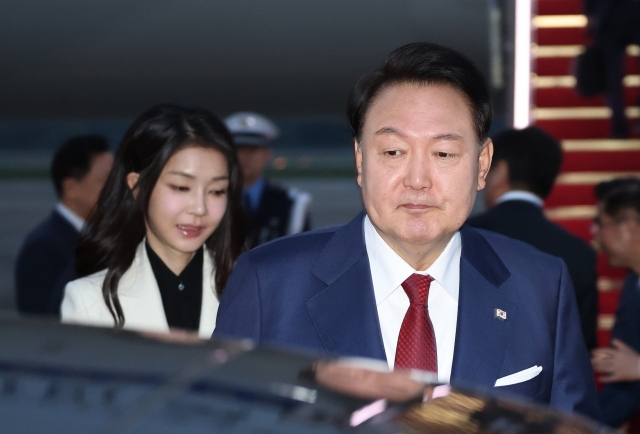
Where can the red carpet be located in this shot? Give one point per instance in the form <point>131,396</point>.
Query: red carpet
<point>589,157</point>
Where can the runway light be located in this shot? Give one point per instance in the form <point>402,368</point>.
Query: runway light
<point>522,67</point>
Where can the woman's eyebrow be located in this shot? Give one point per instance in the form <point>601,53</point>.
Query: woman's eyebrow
<point>190,176</point>
<point>179,173</point>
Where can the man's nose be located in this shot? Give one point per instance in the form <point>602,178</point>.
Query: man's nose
<point>418,172</point>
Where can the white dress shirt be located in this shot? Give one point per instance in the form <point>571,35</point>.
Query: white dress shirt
<point>527,196</point>
<point>389,270</point>
<point>74,219</point>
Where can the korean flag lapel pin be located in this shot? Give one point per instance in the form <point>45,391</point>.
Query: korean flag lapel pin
<point>500,314</point>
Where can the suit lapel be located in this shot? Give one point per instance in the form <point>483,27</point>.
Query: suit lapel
<point>481,338</point>
<point>210,302</point>
<point>140,296</point>
<point>344,313</point>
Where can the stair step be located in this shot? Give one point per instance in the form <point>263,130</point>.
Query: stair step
<point>560,81</point>
<point>559,7</point>
<point>569,195</point>
<point>608,303</point>
<point>562,35</point>
<point>602,160</point>
<point>598,145</point>
<point>543,51</point>
<point>576,128</point>
<point>565,65</point>
<point>606,284</point>
<point>593,178</point>
<point>573,189</point>
<point>567,97</point>
<point>586,113</point>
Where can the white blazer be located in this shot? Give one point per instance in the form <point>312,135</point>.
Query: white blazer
<point>139,296</point>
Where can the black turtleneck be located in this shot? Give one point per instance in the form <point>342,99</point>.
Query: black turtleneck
<point>181,295</point>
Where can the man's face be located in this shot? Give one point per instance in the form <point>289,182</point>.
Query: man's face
<point>82,195</point>
<point>419,165</point>
<point>252,161</point>
<point>617,238</point>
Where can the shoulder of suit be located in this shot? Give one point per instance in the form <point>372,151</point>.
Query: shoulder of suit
<point>91,282</point>
<point>47,235</point>
<point>311,242</point>
<point>572,241</point>
<point>510,249</point>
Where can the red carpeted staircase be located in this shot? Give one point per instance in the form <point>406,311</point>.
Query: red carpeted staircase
<point>583,125</point>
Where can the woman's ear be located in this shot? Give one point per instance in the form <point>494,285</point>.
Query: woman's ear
<point>132,182</point>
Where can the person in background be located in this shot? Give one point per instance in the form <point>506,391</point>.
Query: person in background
<point>614,24</point>
<point>617,231</point>
<point>79,170</point>
<point>524,169</point>
<point>406,282</point>
<point>167,229</point>
<point>272,211</point>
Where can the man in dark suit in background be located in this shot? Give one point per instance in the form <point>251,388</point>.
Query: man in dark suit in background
<point>406,282</point>
<point>79,170</point>
<point>614,24</point>
<point>272,211</point>
<point>617,231</point>
<point>525,166</point>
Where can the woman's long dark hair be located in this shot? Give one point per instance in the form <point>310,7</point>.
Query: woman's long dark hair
<point>117,226</point>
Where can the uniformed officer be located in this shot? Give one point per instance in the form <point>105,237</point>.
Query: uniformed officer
<point>272,211</point>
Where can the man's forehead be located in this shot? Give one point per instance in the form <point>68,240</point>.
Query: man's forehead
<point>447,107</point>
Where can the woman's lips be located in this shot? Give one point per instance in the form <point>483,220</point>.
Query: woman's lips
<point>190,231</point>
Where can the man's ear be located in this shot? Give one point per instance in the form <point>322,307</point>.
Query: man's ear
<point>132,182</point>
<point>357,149</point>
<point>484,163</point>
<point>69,187</point>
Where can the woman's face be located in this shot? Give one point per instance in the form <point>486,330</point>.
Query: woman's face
<point>187,203</point>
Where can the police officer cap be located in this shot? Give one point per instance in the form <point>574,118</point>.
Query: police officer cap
<point>251,129</point>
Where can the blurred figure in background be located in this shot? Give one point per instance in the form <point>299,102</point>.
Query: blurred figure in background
<point>617,231</point>
<point>79,170</point>
<point>525,166</point>
<point>614,24</point>
<point>272,211</point>
<point>167,229</point>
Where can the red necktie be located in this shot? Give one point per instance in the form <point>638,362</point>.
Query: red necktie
<point>417,341</point>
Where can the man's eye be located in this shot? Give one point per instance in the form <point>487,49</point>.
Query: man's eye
<point>393,153</point>
<point>444,155</point>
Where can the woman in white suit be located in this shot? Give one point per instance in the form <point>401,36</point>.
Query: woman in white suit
<point>167,229</point>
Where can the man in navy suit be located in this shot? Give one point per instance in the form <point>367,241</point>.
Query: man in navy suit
<point>524,168</point>
<point>405,282</point>
<point>617,231</point>
<point>79,170</point>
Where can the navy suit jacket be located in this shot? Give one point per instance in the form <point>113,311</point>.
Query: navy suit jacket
<point>46,255</point>
<point>314,291</point>
<point>620,401</point>
<point>526,222</point>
